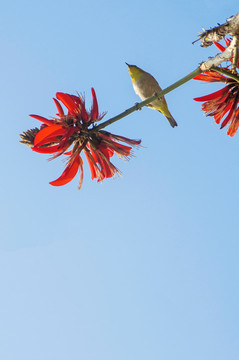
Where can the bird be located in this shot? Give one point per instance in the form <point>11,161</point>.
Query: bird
<point>145,85</point>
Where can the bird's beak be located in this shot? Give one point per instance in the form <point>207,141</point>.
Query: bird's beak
<point>127,64</point>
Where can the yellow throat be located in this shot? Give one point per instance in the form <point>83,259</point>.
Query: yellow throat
<point>135,72</point>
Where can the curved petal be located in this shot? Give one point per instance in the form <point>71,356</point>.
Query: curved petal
<point>84,113</point>
<point>81,174</point>
<point>219,115</point>
<point>94,109</point>
<point>219,46</point>
<point>117,147</point>
<point>42,119</point>
<point>93,153</point>
<point>69,173</point>
<point>123,139</point>
<point>46,149</point>
<point>59,108</point>
<point>67,100</point>
<point>121,149</point>
<point>230,115</point>
<point>105,166</point>
<point>49,140</point>
<point>106,151</point>
<point>212,96</point>
<point>49,131</point>
<point>211,76</point>
<point>234,125</point>
<point>91,165</point>
<point>228,42</point>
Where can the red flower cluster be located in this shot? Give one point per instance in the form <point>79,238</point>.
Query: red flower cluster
<point>222,104</point>
<point>56,137</point>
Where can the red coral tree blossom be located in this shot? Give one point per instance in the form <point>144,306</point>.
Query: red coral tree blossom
<point>223,104</point>
<point>74,131</point>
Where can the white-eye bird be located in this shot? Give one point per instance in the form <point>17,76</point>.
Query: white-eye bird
<point>145,86</point>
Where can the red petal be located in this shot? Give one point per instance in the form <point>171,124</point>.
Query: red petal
<point>212,96</point>
<point>106,151</point>
<point>230,115</point>
<point>228,42</point>
<point>94,110</point>
<point>42,119</point>
<point>76,99</point>
<point>210,76</point>
<point>123,139</point>
<point>233,129</point>
<point>91,165</point>
<point>69,173</point>
<point>93,153</point>
<point>84,114</point>
<point>115,146</point>
<point>59,108</point>
<point>105,167</point>
<point>234,125</point>
<point>201,77</point>
<point>218,117</point>
<point>68,133</point>
<point>219,46</point>
<point>46,149</point>
<point>48,140</point>
<point>67,100</point>
<point>47,132</point>
<point>125,149</point>
<point>119,148</point>
<point>81,175</point>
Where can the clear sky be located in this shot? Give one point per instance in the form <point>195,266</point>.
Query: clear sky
<point>139,267</point>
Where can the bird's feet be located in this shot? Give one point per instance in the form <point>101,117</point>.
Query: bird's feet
<point>137,106</point>
<point>157,97</point>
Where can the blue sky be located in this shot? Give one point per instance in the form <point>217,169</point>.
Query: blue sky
<point>139,267</point>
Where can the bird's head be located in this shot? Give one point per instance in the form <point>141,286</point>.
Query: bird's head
<point>135,72</point>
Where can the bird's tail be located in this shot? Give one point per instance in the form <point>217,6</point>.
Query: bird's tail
<point>165,111</point>
<point>171,121</point>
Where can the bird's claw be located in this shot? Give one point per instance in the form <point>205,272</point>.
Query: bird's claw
<point>137,106</point>
<point>157,97</point>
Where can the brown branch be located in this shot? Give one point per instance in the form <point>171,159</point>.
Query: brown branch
<point>231,27</point>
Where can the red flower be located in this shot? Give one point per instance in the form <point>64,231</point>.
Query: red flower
<point>74,128</point>
<point>222,104</point>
